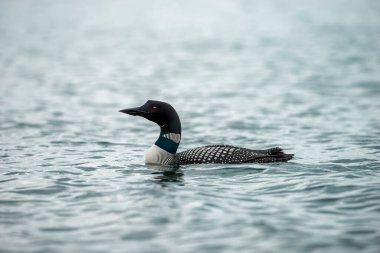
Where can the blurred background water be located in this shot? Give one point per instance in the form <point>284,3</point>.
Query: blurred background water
<point>302,75</point>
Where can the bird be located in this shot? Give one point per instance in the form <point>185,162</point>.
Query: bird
<point>164,151</point>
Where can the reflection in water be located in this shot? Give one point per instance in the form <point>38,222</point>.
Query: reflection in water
<point>175,175</point>
<point>162,168</point>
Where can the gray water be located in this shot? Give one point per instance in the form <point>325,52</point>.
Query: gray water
<point>302,75</point>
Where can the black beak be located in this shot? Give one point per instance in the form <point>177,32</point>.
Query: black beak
<point>134,111</point>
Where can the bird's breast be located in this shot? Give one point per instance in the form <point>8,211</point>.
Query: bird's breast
<point>156,155</point>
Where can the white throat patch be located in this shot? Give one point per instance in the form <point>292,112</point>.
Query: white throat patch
<point>172,136</point>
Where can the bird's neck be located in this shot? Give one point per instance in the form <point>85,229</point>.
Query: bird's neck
<point>169,139</point>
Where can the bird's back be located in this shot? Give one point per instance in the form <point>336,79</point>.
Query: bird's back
<point>230,155</point>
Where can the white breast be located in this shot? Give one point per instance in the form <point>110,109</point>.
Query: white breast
<point>156,155</point>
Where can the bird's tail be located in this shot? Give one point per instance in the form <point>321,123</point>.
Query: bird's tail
<point>273,155</point>
<point>277,155</point>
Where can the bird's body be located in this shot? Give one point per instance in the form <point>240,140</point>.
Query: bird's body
<point>231,155</point>
<point>164,151</point>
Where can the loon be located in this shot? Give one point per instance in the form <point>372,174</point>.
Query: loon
<point>164,150</point>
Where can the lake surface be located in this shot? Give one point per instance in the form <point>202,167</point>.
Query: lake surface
<point>302,75</point>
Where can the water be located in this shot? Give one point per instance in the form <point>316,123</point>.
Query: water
<point>302,75</point>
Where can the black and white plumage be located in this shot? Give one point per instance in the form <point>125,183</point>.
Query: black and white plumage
<point>164,151</point>
<point>231,155</point>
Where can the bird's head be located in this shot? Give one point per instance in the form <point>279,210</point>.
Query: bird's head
<point>159,112</point>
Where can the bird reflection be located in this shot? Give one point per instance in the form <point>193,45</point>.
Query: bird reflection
<point>167,174</point>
